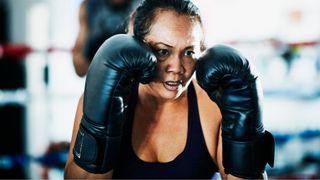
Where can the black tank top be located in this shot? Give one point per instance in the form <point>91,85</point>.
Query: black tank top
<point>194,162</point>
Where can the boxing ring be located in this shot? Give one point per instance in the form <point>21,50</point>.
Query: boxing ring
<point>49,98</point>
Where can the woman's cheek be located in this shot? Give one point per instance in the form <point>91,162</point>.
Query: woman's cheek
<point>159,73</point>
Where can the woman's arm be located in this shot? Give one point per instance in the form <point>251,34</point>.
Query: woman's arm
<point>96,139</point>
<point>72,170</point>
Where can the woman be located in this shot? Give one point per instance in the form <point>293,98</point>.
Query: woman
<point>173,127</point>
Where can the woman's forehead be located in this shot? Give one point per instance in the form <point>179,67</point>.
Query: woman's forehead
<point>175,29</point>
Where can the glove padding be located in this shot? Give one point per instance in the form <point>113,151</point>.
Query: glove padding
<point>120,60</point>
<point>230,81</point>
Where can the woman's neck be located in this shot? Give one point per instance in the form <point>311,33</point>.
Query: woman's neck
<point>159,107</point>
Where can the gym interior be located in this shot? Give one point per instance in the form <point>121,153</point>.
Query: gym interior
<point>39,89</point>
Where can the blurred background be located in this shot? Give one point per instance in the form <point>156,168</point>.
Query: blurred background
<point>39,88</point>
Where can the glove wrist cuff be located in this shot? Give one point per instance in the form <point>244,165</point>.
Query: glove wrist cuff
<point>93,153</point>
<point>248,159</point>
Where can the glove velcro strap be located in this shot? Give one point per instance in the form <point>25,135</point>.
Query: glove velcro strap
<point>248,159</point>
<point>94,153</point>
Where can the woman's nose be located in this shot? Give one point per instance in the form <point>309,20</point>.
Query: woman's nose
<point>175,65</point>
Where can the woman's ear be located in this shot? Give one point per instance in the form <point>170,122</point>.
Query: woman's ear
<point>130,23</point>
<point>203,46</point>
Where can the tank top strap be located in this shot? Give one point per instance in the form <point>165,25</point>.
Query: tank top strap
<point>195,131</point>
<point>130,113</point>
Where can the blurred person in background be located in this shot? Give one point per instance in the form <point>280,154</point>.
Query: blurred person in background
<point>99,20</point>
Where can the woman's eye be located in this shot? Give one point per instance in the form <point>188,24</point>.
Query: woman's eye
<point>162,52</point>
<point>189,53</point>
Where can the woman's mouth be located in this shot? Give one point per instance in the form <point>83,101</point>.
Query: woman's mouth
<point>172,85</point>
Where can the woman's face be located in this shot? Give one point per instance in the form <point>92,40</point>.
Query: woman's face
<point>175,39</point>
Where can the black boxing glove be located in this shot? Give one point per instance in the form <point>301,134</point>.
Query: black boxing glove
<point>120,60</point>
<point>230,81</point>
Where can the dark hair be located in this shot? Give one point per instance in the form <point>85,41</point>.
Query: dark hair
<point>146,12</point>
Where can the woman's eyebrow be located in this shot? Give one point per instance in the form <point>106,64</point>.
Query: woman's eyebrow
<point>189,47</point>
<point>157,43</point>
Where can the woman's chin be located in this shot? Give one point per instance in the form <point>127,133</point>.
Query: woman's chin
<point>165,93</point>
<point>171,94</point>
